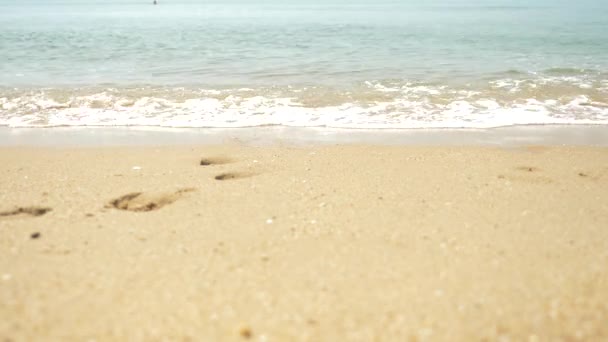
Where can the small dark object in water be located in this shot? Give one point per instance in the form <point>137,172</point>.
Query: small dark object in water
<point>155,2</point>
<point>35,235</point>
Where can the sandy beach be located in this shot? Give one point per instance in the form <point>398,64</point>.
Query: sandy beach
<point>290,170</point>
<point>354,242</point>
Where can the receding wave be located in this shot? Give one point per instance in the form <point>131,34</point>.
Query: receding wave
<point>513,100</point>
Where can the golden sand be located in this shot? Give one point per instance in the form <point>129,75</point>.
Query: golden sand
<point>319,243</point>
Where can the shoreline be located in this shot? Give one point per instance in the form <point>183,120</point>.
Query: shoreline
<point>509,136</point>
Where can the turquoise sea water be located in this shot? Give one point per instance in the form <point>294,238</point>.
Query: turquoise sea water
<point>336,63</point>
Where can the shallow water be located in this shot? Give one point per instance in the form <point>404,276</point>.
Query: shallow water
<point>361,64</point>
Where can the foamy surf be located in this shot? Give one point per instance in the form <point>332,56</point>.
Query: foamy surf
<point>372,104</point>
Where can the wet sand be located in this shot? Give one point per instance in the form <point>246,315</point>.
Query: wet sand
<point>274,243</point>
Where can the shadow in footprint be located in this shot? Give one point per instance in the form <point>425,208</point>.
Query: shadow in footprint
<point>232,175</point>
<point>30,211</point>
<point>138,201</point>
<point>593,175</point>
<point>214,161</point>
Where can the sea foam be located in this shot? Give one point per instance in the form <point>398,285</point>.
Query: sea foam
<point>371,104</point>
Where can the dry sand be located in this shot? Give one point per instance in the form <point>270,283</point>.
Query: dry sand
<point>317,243</point>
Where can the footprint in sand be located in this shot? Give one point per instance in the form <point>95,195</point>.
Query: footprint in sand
<point>528,169</point>
<point>529,174</point>
<point>214,161</point>
<point>225,175</point>
<point>29,211</point>
<point>593,175</point>
<point>232,175</point>
<point>138,201</point>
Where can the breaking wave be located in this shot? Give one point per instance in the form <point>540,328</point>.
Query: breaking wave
<point>516,99</point>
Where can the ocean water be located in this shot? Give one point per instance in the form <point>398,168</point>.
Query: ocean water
<point>331,63</point>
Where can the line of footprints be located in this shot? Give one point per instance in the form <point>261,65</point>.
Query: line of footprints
<point>142,202</point>
<point>139,201</point>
